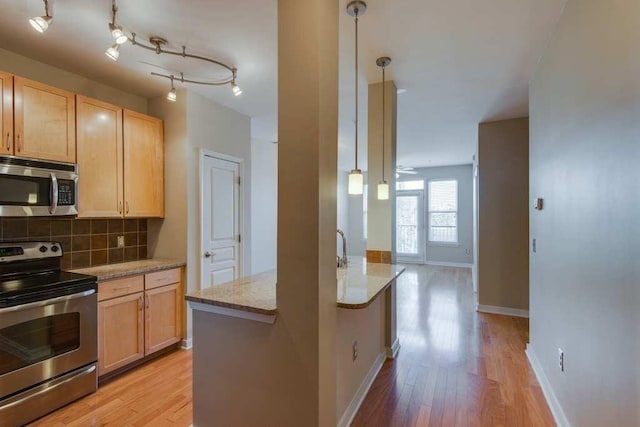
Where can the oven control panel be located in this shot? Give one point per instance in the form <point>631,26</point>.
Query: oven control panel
<point>17,251</point>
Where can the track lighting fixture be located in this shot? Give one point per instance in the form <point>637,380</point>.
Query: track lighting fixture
<point>113,52</point>
<point>356,180</point>
<point>41,23</point>
<point>172,95</point>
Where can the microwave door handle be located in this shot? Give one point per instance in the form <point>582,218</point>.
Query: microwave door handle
<point>54,194</point>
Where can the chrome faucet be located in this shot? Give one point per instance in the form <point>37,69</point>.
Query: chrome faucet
<point>342,262</point>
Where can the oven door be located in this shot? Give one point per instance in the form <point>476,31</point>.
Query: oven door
<point>30,188</point>
<point>44,339</point>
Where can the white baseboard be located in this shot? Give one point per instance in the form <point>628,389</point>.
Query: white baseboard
<point>449,264</point>
<point>554,405</point>
<point>392,351</point>
<point>354,405</point>
<point>507,311</point>
<point>186,343</point>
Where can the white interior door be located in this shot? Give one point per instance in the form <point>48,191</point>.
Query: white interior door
<point>221,251</point>
<point>410,243</point>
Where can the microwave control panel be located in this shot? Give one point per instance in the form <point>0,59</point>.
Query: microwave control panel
<point>66,193</point>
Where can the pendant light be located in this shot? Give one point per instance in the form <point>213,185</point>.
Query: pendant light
<point>383,186</point>
<point>356,9</point>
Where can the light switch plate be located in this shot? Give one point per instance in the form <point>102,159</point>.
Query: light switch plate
<point>121,241</point>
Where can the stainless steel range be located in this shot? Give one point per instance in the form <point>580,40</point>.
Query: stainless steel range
<point>48,332</point>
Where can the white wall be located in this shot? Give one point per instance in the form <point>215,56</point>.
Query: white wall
<point>28,68</point>
<point>264,199</point>
<point>464,175</point>
<point>584,153</point>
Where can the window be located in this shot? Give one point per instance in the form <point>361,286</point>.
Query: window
<point>410,185</point>
<point>443,211</point>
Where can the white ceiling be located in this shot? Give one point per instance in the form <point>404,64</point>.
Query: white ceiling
<point>461,61</point>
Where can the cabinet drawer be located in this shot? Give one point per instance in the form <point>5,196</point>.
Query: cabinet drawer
<point>119,287</point>
<point>162,278</point>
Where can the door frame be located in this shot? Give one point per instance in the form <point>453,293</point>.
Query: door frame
<point>422,239</point>
<point>203,154</point>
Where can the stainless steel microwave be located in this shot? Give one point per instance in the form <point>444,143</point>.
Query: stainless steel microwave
<point>37,188</point>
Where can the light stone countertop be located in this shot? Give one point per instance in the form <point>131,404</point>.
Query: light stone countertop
<point>132,268</point>
<point>358,285</point>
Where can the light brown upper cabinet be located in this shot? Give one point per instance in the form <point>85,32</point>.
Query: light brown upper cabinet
<point>44,121</point>
<point>143,166</point>
<point>6,113</point>
<point>99,152</point>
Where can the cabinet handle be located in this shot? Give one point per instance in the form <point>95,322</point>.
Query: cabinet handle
<point>8,141</point>
<point>140,303</point>
<point>148,302</point>
<point>127,203</point>
<point>18,142</point>
<point>120,207</point>
<point>121,288</point>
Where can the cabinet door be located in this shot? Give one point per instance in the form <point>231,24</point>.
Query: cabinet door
<point>6,113</point>
<point>99,153</point>
<point>120,332</point>
<point>143,166</point>
<point>45,126</point>
<point>163,317</point>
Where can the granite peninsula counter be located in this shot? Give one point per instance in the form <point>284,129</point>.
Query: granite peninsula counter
<point>254,297</point>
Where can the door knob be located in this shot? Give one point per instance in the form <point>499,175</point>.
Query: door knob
<point>207,254</point>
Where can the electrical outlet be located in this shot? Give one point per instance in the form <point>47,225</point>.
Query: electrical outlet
<point>467,251</point>
<point>561,359</point>
<point>355,350</point>
<point>121,241</point>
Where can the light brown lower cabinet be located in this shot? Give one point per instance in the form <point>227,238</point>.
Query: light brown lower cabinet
<point>136,320</point>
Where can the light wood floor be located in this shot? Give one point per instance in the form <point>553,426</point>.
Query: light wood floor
<point>455,368</point>
<point>158,393</point>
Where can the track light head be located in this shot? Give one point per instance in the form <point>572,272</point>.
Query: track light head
<point>113,52</point>
<point>118,35</point>
<point>172,95</point>
<point>40,23</point>
<point>235,88</point>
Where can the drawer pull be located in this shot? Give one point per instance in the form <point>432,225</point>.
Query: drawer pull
<point>8,141</point>
<point>121,289</point>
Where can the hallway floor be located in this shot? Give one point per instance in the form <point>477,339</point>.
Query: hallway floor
<point>456,367</point>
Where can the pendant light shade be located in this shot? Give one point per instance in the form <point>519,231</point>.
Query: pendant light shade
<point>383,190</point>
<point>383,186</point>
<point>356,182</point>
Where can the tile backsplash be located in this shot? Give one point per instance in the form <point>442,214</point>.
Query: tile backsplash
<point>85,242</point>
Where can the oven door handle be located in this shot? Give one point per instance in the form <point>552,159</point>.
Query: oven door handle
<point>54,194</point>
<point>48,302</point>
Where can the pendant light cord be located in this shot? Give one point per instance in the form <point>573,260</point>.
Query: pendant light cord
<point>356,19</point>
<point>383,121</point>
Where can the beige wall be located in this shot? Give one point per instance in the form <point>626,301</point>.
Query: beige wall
<point>367,327</point>
<point>41,72</point>
<point>193,123</point>
<point>381,213</point>
<point>585,276</point>
<point>503,231</point>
